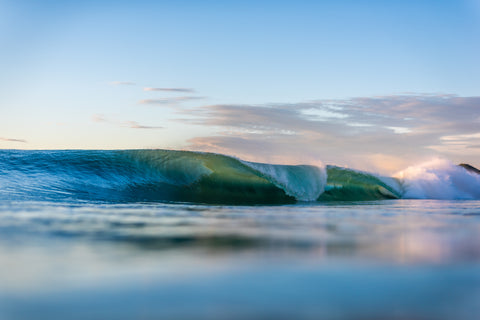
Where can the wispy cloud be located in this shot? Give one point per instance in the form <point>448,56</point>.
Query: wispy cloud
<point>122,83</point>
<point>98,118</point>
<point>169,101</point>
<point>13,140</point>
<point>136,125</point>
<point>365,130</point>
<point>101,118</point>
<point>182,90</point>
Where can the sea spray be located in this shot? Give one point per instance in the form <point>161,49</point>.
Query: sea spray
<point>439,179</point>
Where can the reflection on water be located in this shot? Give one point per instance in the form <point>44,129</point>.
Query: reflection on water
<point>393,259</point>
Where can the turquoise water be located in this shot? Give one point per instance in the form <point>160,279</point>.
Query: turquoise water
<point>389,259</point>
<point>159,234</point>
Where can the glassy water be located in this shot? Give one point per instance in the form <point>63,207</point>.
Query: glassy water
<point>389,259</point>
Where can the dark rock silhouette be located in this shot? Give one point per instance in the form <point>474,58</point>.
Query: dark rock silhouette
<point>470,168</point>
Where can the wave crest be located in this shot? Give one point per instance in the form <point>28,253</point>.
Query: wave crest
<point>439,179</point>
<point>304,182</point>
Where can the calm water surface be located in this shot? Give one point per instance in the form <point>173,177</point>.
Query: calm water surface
<point>392,259</point>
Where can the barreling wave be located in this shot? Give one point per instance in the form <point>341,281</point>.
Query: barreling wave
<point>184,176</point>
<point>153,175</point>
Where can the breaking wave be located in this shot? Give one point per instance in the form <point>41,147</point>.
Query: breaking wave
<point>439,179</point>
<point>183,176</point>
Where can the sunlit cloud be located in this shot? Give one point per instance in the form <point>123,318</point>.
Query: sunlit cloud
<point>393,128</point>
<point>136,125</point>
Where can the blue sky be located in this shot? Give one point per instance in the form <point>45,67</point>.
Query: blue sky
<point>74,75</point>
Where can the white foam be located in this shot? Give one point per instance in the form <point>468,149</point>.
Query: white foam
<point>439,179</point>
<point>304,182</point>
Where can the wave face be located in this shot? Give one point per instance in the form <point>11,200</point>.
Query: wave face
<point>352,185</point>
<point>152,175</point>
<point>183,176</point>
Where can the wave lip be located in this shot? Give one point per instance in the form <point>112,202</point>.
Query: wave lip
<point>304,182</point>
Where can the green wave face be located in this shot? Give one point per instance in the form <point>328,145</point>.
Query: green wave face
<point>218,179</point>
<point>350,185</point>
<point>177,176</point>
<point>210,178</point>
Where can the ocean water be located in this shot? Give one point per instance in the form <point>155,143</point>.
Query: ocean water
<point>155,234</point>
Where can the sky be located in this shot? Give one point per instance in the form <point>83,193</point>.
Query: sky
<point>372,85</point>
